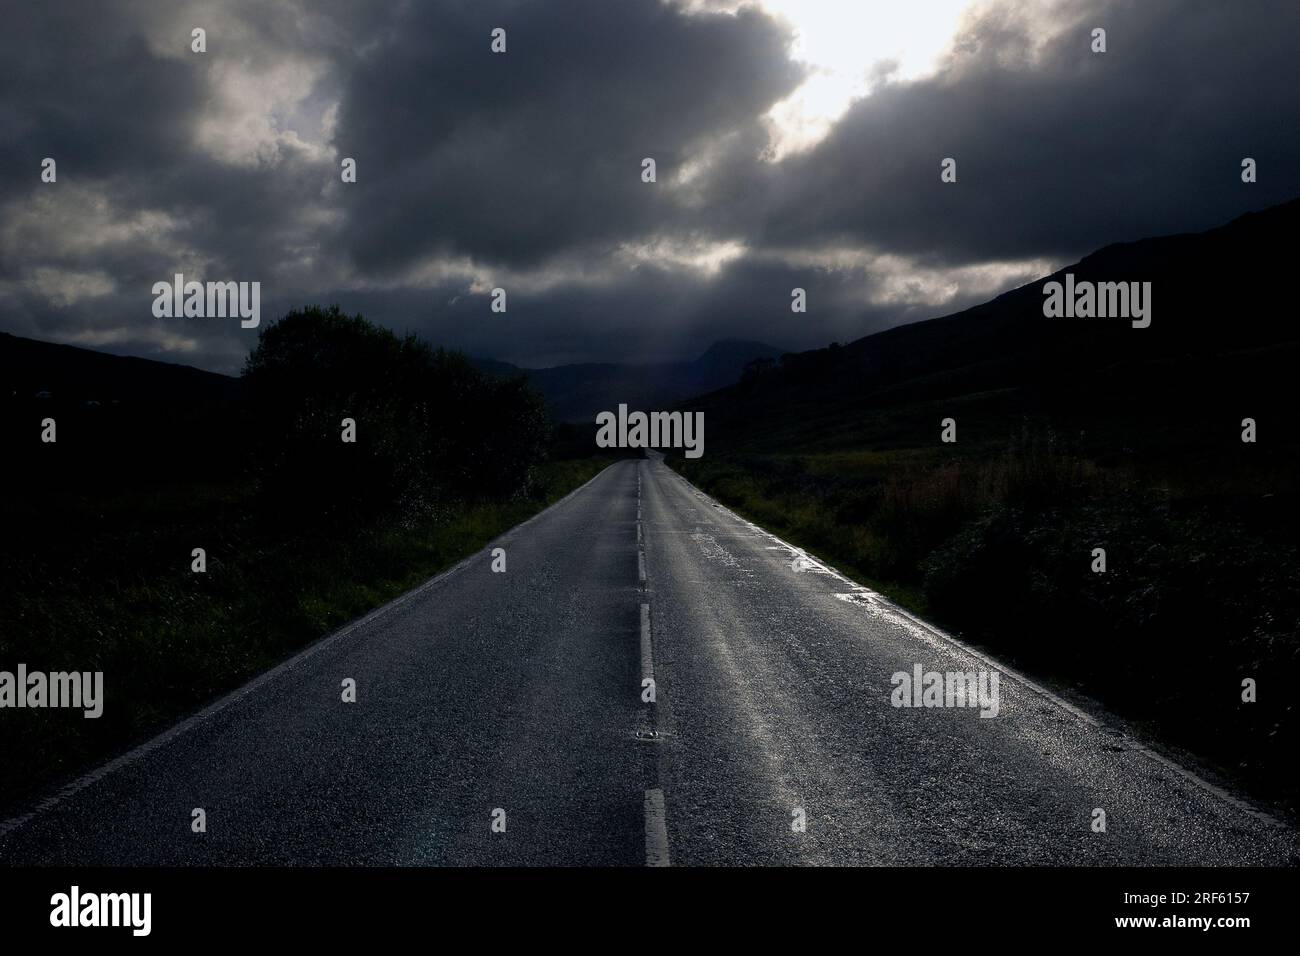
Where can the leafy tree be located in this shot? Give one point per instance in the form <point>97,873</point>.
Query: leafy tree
<point>431,429</point>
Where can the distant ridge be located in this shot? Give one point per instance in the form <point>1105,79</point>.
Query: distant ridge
<point>69,373</point>
<point>1223,341</point>
<point>578,392</point>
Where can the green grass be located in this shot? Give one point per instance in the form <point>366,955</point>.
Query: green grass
<point>105,584</point>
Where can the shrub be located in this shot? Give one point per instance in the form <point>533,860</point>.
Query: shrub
<point>430,428</point>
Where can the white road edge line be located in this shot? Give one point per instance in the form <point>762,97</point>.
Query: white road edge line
<point>656,832</point>
<point>266,677</point>
<point>944,637</point>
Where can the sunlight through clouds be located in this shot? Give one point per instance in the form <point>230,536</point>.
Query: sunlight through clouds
<point>847,48</point>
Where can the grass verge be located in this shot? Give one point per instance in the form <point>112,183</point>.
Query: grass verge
<point>104,583</point>
<point>996,545</point>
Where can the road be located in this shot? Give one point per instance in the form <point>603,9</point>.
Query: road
<point>517,697</point>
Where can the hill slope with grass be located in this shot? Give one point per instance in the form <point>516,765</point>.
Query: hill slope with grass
<point>1072,435</point>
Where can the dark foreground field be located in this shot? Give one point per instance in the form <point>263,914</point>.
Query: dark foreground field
<point>301,531</point>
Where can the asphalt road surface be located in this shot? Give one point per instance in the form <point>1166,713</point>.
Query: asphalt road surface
<point>517,699</point>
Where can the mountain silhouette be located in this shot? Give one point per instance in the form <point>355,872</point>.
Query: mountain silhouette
<point>64,373</point>
<point>577,393</point>
<point>1221,346</point>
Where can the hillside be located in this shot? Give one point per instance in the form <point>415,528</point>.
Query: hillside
<point>121,421</point>
<point>1072,435</point>
<point>28,366</point>
<point>1220,346</point>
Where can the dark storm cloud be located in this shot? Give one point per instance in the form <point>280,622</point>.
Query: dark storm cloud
<point>514,157</point>
<point>523,169</point>
<point>746,299</point>
<point>1068,152</point>
<point>139,197</point>
<point>81,84</point>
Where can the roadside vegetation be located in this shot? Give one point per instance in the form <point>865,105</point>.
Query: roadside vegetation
<point>994,542</point>
<point>302,532</point>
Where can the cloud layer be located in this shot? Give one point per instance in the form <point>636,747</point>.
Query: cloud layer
<point>523,169</point>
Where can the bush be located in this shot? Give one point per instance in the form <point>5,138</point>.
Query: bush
<point>1144,636</point>
<point>430,428</point>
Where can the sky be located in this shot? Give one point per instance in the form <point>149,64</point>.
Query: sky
<point>797,143</point>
